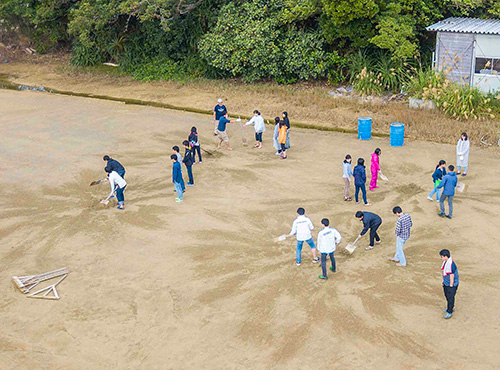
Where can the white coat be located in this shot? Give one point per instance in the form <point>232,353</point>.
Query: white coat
<point>328,238</point>
<point>463,147</point>
<point>258,122</point>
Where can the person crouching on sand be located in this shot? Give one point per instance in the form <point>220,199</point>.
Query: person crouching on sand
<point>118,185</point>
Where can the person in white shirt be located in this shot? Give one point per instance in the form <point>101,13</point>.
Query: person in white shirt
<point>328,239</point>
<point>118,184</point>
<point>259,126</point>
<point>302,227</point>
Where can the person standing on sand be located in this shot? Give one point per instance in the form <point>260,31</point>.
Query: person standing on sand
<point>403,226</point>
<point>287,123</point>
<point>463,148</point>
<point>448,184</point>
<point>437,177</point>
<point>219,110</point>
<point>177,178</point>
<point>194,142</point>
<point>370,221</point>
<point>258,121</point>
<point>276,135</point>
<point>221,131</point>
<point>347,174</point>
<point>302,227</point>
<point>178,155</point>
<point>118,185</point>
<point>359,174</point>
<point>450,281</point>
<point>328,239</point>
<point>282,130</point>
<point>188,162</point>
<point>375,168</point>
<point>114,165</point>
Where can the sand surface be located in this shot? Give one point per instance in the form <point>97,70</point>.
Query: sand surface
<point>201,285</point>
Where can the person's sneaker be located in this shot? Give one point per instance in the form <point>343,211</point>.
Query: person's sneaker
<point>400,265</point>
<point>446,310</point>
<point>323,277</point>
<point>448,216</point>
<point>393,259</point>
<point>437,200</point>
<point>331,268</point>
<point>297,263</point>
<point>179,200</point>
<point>200,162</point>
<point>189,184</point>
<point>315,260</point>
<point>441,214</point>
<point>448,315</point>
<point>378,241</point>
<point>430,199</point>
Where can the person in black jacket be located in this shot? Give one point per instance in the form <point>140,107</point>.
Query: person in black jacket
<point>114,165</point>
<point>370,221</point>
<point>188,161</point>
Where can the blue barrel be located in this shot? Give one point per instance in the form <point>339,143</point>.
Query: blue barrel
<point>397,134</point>
<point>364,128</point>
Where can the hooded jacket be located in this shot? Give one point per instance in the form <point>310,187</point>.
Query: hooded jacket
<point>438,174</point>
<point>359,174</point>
<point>448,183</point>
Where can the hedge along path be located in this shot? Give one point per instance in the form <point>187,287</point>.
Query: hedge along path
<point>6,84</point>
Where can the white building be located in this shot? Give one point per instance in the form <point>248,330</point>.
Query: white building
<point>468,51</point>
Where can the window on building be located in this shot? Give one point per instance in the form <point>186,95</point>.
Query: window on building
<point>488,66</point>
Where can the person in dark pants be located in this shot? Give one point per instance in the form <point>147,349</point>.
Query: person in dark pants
<point>194,141</point>
<point>359,174</point>
<point>328,239</point>
<point>370,221</point>
<point>114,165</point>
<point>450,281</point>
<point>188,162</point>
<point>448,184</point>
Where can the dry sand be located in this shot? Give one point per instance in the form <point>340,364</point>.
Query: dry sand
<point>201,285</point>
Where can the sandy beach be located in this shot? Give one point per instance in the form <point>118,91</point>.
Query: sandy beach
<point>202,285</point>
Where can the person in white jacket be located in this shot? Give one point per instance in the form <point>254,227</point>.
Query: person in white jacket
<point>463,148</point>
<point>258,121</point>
<point>328,239</point>
<point>302,227</point>
<point>118,184</point>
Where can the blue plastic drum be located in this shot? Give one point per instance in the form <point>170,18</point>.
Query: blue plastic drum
<point>397,134</point>
<point>364,128</point>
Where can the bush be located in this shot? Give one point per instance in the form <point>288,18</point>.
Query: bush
<point>422,80</point>
<point>368,83</point>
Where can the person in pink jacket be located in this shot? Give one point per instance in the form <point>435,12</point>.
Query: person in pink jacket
<point>375,168</point>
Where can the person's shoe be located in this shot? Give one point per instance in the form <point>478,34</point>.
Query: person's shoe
<point>179,200</point>
<point>378,241</point>
<point>464,174</point>
<point>369,248</point>
<point>441,214</point>
<point>323,277</point>
<point>393,260</point>
<point>315,260</point>
<point>448,216</point>
<point>189,184</point>
<point>400,265</point>
<point>297,263</point>
<point>446,310</point>
<point>430,199</point>
<point>448,315</point>
<point>367,204</point>
<point>200,162</point>
<point>121,207</point>
<point>114,196</point>
<point>331,268</point>
<point>349,199</point>
<point>437,200</point>
<point>357,202</point>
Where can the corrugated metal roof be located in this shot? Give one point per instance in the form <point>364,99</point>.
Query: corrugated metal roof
<point>467,25</point>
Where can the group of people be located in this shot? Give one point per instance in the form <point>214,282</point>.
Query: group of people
<point>359,175</point>
<point>328,238</point>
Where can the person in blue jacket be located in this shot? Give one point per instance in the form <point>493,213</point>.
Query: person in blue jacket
<point>177,178</point>
<point>448,184</point>
<point>359,174</point>
<point>437,176</point>
<point>114,165</point>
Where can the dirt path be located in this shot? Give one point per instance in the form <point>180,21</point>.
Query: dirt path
<point>200,284</point>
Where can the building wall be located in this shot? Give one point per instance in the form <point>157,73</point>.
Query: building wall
<point>454,55</point>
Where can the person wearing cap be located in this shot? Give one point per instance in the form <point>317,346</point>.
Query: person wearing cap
<point>218,113</point>
<point>259,127</point>
<point>328,239</point>
<point>114,165</point>
<point>221,131</point>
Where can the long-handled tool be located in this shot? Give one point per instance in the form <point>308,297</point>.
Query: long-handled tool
<point>243,137</point>
<point>97,182</point>
<point>383,177</point>
<point>47,290</point>
<point>28,282</point>
<point>352,247</point>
